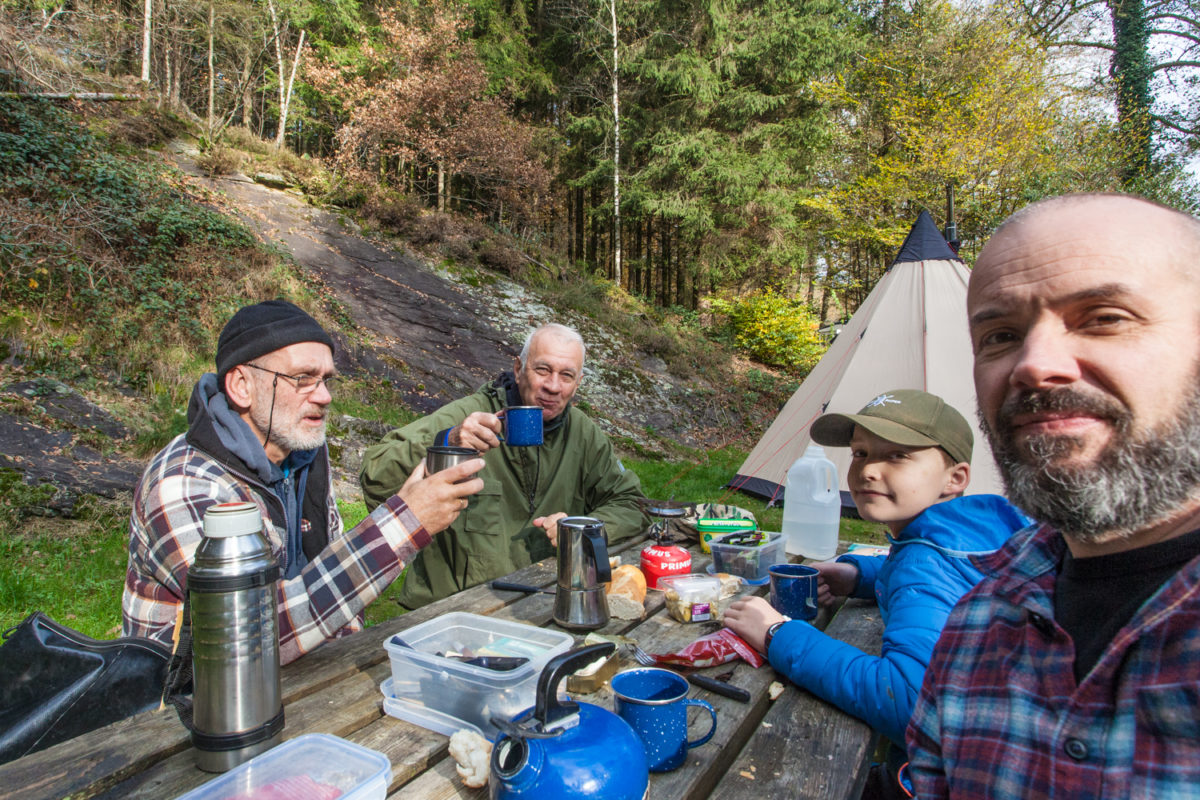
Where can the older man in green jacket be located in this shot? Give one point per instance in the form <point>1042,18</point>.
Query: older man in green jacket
<point>513,521</point>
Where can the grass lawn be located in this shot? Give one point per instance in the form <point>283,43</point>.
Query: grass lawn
<point>74,570</point>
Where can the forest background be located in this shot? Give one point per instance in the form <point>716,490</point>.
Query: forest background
<point>685,149</point>
<point>720,180</point>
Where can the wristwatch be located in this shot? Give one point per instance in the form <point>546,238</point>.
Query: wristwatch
<point>771,631</point>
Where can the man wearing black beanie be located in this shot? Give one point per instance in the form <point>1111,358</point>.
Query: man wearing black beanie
<point>256,432</point>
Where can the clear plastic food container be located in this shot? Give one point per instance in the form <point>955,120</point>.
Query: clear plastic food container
<point>749,562</point>
<point>315,766</point>
<point>691,598</point>
<point>434,685</point>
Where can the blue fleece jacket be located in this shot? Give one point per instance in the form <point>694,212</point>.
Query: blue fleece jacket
<point>927,570</point>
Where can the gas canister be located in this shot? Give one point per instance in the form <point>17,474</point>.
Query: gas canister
<point>661,560</point>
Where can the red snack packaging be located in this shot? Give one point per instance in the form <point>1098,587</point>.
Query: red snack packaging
<point>708,651</point>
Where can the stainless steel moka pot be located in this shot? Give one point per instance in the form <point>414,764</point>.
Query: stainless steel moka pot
<point>580,602</point>
<point>237,709</point>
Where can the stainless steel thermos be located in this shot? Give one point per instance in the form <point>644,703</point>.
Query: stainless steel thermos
<point>237,704</point>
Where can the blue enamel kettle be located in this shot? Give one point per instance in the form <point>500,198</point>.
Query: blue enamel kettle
<point>560,748</point>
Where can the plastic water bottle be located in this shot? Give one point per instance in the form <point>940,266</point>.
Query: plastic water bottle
<point>812,506</point>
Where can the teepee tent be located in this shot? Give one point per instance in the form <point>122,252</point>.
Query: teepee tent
<point>910,333</point>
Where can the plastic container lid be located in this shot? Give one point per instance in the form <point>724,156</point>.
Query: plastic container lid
<point>424,716</point>
<point>714,525</point>
<point>310,767</point>
<point>691,586</point>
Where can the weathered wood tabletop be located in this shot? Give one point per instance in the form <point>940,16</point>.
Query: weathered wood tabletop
<point>795,746</point>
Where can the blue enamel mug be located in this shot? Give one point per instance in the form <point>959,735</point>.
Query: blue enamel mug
<point>522,426</point>
<point>654,702</point>
<point>794,590</point>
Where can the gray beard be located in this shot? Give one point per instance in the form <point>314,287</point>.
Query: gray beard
<point>281,434</point>
<point>1136,482</point>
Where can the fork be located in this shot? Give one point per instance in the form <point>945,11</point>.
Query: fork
<point>641,656</point>
<point>703,681</point>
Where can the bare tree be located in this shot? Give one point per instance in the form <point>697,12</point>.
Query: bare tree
<point>146,19</point>
<point>285,87</point>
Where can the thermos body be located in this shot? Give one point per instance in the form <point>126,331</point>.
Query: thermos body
<point>237,703</point>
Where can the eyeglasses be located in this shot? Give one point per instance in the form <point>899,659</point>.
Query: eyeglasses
<point>305,384</point>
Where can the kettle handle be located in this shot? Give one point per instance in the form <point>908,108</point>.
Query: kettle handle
<point>549,709</point>
<point>595,546</point>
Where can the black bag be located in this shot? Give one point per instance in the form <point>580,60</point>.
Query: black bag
<point>56,683</point>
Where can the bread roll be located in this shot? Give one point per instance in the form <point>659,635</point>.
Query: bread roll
<point>629,581</point>
<point>626,592</point>
<point>730,584</point>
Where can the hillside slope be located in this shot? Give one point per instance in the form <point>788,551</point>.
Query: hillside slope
<point>434,334</point>
<point>437,336</point>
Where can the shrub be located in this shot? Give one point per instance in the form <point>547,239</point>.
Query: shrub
<point>431,229</point>
<point>393,212</point>
<point>218,161</point>
<point>458,247</point>
<point>773,329</point>
<point>499,257</point>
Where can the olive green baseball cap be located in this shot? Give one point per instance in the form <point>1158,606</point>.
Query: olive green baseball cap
<point>905,416</point>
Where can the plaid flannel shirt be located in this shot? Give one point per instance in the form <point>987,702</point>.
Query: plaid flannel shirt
<point>1001,716</point>
<point>324,601</point>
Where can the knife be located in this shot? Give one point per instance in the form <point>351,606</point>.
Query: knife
<point>719,687</point>
<point>519,587</point>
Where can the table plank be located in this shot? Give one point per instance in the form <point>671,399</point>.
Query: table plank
<point>356,703</point>
<point>440,783</point>
<point>804,747</point>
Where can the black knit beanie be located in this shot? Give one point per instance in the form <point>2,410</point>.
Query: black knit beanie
<point>264,328</point>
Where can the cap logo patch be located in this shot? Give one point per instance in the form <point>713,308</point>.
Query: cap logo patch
<point>883,399</point>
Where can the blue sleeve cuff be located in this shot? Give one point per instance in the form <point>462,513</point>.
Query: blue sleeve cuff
<point>868,569</point>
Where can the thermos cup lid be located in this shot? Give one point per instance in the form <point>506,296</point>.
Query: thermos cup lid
<point>231,519</point>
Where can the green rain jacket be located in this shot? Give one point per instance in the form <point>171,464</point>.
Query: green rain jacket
<point>575,471</point>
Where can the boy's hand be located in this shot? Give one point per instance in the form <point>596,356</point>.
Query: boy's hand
<point>749,618</point>
<point>836,579</point>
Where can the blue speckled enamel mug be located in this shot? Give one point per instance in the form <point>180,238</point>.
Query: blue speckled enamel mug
<point>654,702</point>
<point>794,590</point>
<point>522,426</point>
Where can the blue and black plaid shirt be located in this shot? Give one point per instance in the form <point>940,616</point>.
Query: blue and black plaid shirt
<point>1001,715</point>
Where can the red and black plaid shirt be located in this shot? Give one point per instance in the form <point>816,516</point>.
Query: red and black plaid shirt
<point>324,601</point>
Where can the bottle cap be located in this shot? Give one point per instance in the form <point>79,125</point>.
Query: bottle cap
<point>231,519</point>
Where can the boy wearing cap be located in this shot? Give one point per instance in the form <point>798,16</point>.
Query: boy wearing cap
<point>256,433</point>
<point>910,464</point>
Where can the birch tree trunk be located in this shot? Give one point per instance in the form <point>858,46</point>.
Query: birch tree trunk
<point>212,73</point>
<point>616,105</point>
<point>146,17</point>
<point>285,87</point>
<point>286,104</point>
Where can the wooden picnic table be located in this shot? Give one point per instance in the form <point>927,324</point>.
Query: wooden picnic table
<point>795,746</point>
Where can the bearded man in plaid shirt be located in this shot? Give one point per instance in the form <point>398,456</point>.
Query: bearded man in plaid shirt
<point>256,433</point>
<point>1073,668</point>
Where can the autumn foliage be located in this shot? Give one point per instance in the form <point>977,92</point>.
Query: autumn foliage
<point>419,112</point>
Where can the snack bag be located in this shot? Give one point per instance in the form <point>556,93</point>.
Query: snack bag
<point>708,651</point>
